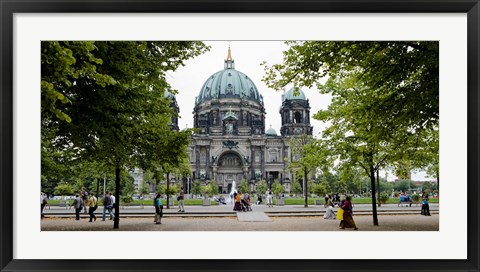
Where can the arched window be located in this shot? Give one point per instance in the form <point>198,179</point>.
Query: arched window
<point>298,117</point>
<point>273,156</point>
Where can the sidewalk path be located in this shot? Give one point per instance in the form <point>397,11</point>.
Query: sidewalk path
<point>364,223</point>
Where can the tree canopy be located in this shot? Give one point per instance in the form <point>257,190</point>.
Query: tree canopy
<point>106,101</point>
<point>385,99</point>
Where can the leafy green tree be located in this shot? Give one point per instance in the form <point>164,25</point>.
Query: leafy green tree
<point>428,186</point>
<point>144,189</point>
<point>308,154</point>
<point>63,189</point>
<point>359,137</point>
<point>119,115</point>
<point>261,187</point>
<point>196,188</point>
<point>385,94</point>
<point>243,187</point>
<point>172,190</point>
<point>386,186</point>
<point>404,74</point>
<point>63,63</point>
<point>160,188</point>
<point>404,185</point>
<point>296,188</point>
<point>277,188</point>
<point>320,189</point>
<point>210,189</point>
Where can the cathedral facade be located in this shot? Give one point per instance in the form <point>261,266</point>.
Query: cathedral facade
<point>230,143</point>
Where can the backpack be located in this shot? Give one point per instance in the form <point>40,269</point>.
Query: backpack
<point>45,201</point>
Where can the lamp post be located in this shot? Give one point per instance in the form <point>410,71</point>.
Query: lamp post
<point>104,183</point>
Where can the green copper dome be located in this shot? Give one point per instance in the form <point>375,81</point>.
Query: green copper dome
<point>229,83</point>
<point>290,96</point>
<point>271,132</point>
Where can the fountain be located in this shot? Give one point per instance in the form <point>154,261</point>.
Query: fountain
<point>232,191</point>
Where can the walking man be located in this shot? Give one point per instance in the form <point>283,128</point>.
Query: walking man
<point>107,206</point>
<point>84,195</point>
<point>77,204</point>
<point>181,204</point>
<point>92,206</point>
<point>113,200</point>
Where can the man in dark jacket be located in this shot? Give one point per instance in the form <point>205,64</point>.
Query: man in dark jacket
<point>77,204</point>
<point>107,206</point>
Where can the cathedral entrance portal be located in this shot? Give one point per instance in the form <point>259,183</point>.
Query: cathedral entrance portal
<point>230,171</point>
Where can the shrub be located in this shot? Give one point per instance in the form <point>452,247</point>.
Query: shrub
<point>126,199</point>
<point>383,197</point>
<point>416,197</point>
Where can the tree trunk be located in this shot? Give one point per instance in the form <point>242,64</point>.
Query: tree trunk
<point>98,187</point>
<point>168,190</point>
<point>438,182</point>
<point>305,188</point>
<point>378,188</point>
<point>372,181</point>
<point>116,220</point>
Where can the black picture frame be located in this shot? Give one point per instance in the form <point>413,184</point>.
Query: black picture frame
<point>9,8</point>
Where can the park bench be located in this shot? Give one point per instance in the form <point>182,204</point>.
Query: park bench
<point>405,201</point>
<point>62,203</point>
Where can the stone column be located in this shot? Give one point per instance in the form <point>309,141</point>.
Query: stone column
<point>215,169</point>
<point>262,159</point>
<point>197,161</point>
<point>252,162</point>
<point>207,153</point>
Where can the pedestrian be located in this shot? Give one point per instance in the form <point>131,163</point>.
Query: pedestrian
<point>113,200</point>
<point>92,207</point>
<point>43,203</point>
<point>77,204</point>
<point>329,214</point>
<point>107,206</point>
<point>158,209</point>
<point>238,204</point>
<point>347,208</point>
<point>180,198</point>
<point>259,199</point>
<point>84,195</point>
<point>269,198</point>
<point>425,206</point>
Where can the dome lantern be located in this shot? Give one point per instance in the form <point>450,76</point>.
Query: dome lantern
<point>229,62</point>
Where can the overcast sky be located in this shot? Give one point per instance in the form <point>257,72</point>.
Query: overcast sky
<point>248,55</point>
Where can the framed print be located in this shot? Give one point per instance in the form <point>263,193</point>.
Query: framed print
<point>96,100</point>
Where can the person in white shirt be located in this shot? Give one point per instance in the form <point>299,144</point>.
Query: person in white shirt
<point>113,200</point>
<point>269,198</point>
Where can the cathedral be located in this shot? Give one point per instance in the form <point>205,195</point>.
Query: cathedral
<point>231,143</point>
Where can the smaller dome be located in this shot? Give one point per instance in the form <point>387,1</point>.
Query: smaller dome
<point>271,132</point>
<point>290,95</point>
<point>168,94</point>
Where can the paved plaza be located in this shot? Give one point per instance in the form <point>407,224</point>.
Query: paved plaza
<point>222,218</point>
<point>364,223</point>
